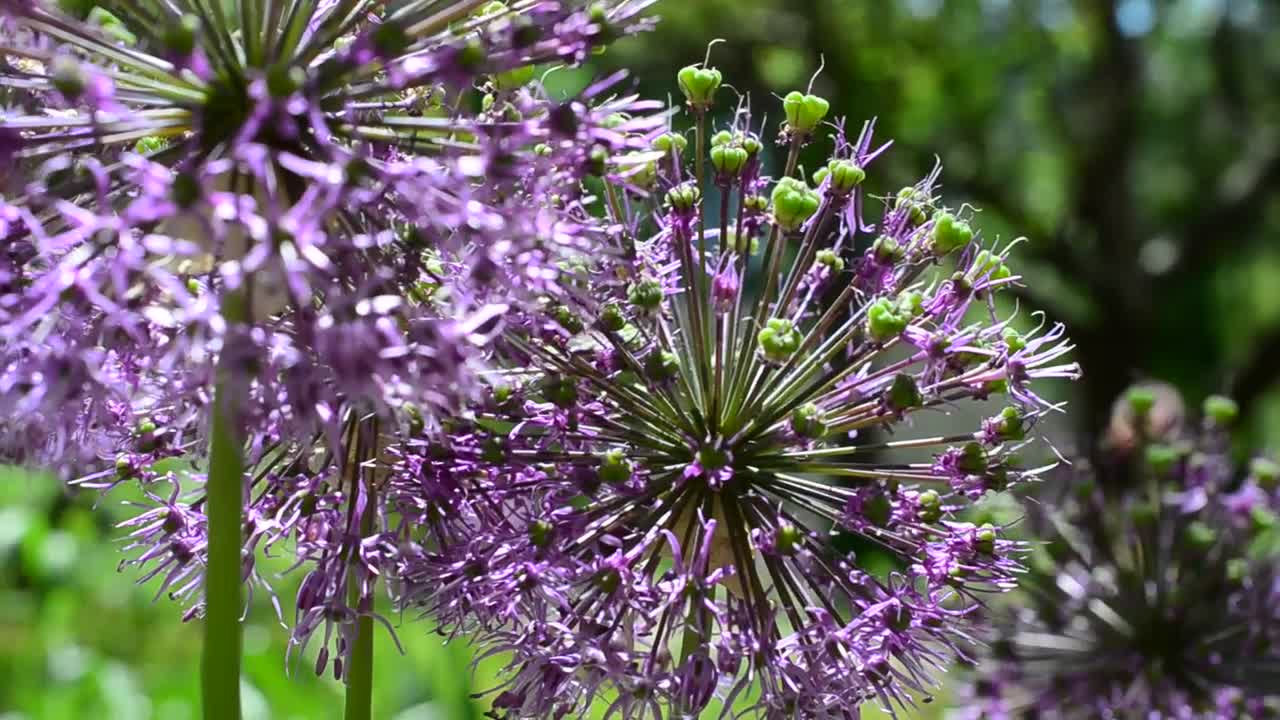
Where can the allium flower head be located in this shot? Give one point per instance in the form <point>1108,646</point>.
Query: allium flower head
<point>648,509</point>
<point>293,202</point>
<point>1156,594</point>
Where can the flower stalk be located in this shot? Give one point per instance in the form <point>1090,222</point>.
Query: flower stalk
<point>220,661</point>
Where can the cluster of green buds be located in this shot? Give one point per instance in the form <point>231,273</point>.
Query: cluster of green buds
<point>779,339</point>
<point>887,319</point>
<point>845,175</point>
<point>730,152</point>
<point>916,203</point>
<point>949,234</point>
<point>645,294</point>
<point>804,112</point>
<point>699,85</point>
<point>794,202</point>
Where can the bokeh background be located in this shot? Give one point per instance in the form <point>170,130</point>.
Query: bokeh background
<point>1135,143</point>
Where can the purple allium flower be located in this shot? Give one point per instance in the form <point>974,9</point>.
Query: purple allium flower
<point>1156,593</point>
<point>300,212</point>
<point>650,506</point>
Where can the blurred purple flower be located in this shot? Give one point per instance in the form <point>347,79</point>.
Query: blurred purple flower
<point>1155,591</point>
<point>304,212</point>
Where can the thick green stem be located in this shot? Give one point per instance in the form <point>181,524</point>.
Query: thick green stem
<point>220,663</point>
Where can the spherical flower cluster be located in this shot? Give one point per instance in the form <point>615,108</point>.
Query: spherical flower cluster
<point>292,203</point>
<point>652,507</point>
<point>1156,594</point>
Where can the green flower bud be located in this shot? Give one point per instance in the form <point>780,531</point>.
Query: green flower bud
<point>1237,569</point>
<point>722,138</point>
<point>756,203</point>
<point>1200,536</point>
<point>1140,401</point>
<point>904,394</point>
<point>819,175</point>
<point>779,339</point>
<point>598,161</point>
<point>1262,519</point>
<point>911,304</point>
<point>787,539</point>
<point>793,203</point>
<point>1265,472</point>
<point>887,251</point>
<point>615,469</point>
<point>728,159</point>
<point>662,365</point>
<point>684,196</point>
<point>916,203</point>
<point>611,318</point>
<point>150,144</point>
<point>645,294</point>
<point>884,321</point>
<point>809,422</point>
<point>949,234</point>
<point>124,467</point>
<point>193,286</point>
<point>568,320</point>
<point>804,112</point>
<point>1010,425</point>
<point>179,38</point>
<point>830,260</point>
<point>68,78</point>
<point>606,33</point>
<point>846,175</point>
<point>1221,410</point>
<point>1162,459</point>
<point>111,25</point>
<point>699,85</point>
<point>984,539</point>
<point>929,506</point>
<point>667,141</point>
<point>990,266</point>
<point>973,459</point>
<point>502,393</point>
<point>751,144</point>
<point>542,149</point>
<point>540,532</point>
<point>614,120</point>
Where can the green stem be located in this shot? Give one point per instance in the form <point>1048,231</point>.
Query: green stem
<point>359,671</point>
<point>220,662</point>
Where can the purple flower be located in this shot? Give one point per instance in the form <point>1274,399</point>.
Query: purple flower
<point>651,507</point>
<point>1156,593</point>
<point>303,215</point>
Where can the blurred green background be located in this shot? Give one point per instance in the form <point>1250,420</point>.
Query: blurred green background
<point>1136,143</point>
